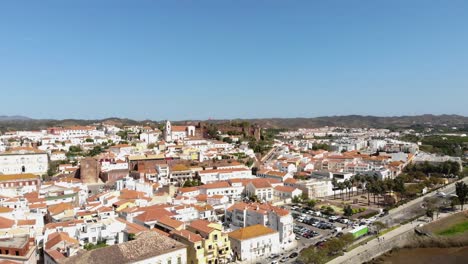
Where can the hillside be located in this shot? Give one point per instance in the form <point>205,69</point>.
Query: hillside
<point>8,123</point>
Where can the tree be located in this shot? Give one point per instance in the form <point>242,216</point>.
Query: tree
<point>311,203</point>
<point>349,187</point>
<point>348,211</point>
<point>335,186</point>
<point>314,256</point>
<point>254,198</point>
<point>341,186</point>
<point>461,189</point>
<point>296,199</point>
<point>329,210</point>
<point>430,213</point>
<point>334,246</point>
<point>399,185</point>
<point>188,183</point>
<point>379,226</point>
<point>151,146</point>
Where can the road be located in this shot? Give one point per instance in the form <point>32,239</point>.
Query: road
<point>414,207</point>
<point>270,155</point>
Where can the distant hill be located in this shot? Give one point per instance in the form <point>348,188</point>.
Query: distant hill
<point>359,121</point>
<point>24,123</point>
<point>12,118</point>
<point>363,121</point>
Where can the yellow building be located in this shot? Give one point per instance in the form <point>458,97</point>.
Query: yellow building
<point>216,244</point>
<point>194,243</point>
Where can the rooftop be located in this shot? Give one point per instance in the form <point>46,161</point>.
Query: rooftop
<point>147,245</point>
<point>14,242</point>
<point>251,232</point>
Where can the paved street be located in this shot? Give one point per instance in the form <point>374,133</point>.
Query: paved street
<point>414,207</point>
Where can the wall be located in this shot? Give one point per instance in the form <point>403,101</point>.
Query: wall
<point>385,246</point>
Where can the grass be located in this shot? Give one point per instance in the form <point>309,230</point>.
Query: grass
<point>448,226</point>
<point>455,229</point>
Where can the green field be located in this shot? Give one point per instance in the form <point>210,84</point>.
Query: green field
<point>455,229</point>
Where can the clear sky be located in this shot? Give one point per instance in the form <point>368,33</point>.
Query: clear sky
<point>197,59</point>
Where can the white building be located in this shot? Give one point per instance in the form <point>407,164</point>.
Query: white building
<point>23,160</point>
<point>173,133</point>
<point>252,242</point>
<point>244,215</point>
<point>208,176</point>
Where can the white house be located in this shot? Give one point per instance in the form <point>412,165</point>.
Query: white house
<point>252,242</point>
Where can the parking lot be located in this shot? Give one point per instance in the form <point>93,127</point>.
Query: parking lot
<point>311,228</point>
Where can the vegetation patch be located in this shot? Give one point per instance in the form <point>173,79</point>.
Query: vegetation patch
<point>449,226</point>
<point>455,230</point>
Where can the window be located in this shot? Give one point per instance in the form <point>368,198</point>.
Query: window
<point>17,253</point>
<point>179,260</point>
<point>215,237</point>
<point>169,261</point>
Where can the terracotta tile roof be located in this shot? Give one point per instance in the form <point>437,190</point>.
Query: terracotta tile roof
<point>6,223</point>
<point>55,255</point>
<point>261,184</point>
<point>190,236</point>
<point>179,167</point>
<point>63,224</point>
<point>37,205</point>
<point>131,194</point>
<point>203,208</point>
<point>262,208</point>
<point>201,197</point>
<point>57,237</point>
<point>251,232</point>
<point>188,189</point>
<point>59,208</point>
<point>147,245</point>
<point>290,181</point>
<point>132,228</point>
<point>202,226</point>
<point>12,177</point>
<point>5,209</point>
<point>153,215</point>
<point>216,185</point>
<point>26,222</point>
<point>167,221</point>
<point>287,189</point>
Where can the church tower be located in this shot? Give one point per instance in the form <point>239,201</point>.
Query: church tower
<point>168,132</point>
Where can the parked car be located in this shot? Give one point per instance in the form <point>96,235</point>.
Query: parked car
<point>293,255</point>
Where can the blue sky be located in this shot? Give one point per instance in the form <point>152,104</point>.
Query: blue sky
<point>232,59</point>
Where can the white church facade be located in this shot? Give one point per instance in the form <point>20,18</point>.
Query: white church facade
<point>174,133</point>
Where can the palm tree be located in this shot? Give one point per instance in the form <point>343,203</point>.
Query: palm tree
<point>363,180</point>
<point>335,186</point>
<point>461,189</point>
<point>349,186</point>
<point>368,181</point>
<point>341,186</point>
<point>353,181</point>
